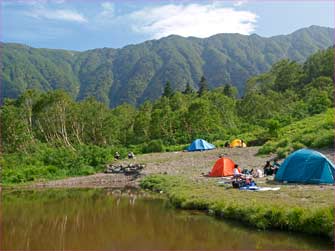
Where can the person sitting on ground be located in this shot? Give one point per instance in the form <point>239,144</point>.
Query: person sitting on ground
<point>259,173</point>
<point>131,155</point>
<point>275,166</point>
<point>238,180</point>
<point>237,173</point>
<point>268,168</point>
<point>117,155</point>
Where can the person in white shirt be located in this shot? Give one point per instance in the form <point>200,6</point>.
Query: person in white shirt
<point>236,171</point>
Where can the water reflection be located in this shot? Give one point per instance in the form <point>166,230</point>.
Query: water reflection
<point>93,219</point>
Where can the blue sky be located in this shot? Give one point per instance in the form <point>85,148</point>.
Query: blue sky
<point>88,24</point>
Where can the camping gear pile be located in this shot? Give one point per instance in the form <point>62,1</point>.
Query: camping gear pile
<point>243,182</point>
<point>130,169</point>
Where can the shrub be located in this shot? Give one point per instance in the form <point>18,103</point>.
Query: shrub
<point>267,148</point>
<point>175,148</point>
<point>325,139</point>
<point>282,152</point>
<point>47,163</point>
<point>154,146</point>
<point>282,143</point>
<point>297,146</point>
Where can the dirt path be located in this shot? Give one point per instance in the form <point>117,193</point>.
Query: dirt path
<point>191,164</point>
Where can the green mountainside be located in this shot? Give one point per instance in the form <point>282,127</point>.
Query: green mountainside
<point>139,72</point>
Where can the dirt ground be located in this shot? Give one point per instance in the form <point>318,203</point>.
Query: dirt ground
<point>191,164</point>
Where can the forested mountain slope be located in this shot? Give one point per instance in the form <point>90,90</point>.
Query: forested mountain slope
<point>139,72</point>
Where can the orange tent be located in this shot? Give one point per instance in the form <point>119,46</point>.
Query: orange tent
<point>223,167</point>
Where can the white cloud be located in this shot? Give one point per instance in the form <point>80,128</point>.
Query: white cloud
<point>57,14</point>
<point>107,9</point>
<point>240,2</point>
<point>192,20</point>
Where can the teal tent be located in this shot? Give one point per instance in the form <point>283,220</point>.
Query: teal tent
<point>306,166</point>
<point>200,145</point>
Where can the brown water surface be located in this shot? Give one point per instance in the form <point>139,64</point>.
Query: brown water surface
<point>99,219</point>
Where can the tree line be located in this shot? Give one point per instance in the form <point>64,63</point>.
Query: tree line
<point>288,92</point>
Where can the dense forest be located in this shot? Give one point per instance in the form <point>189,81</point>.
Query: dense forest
<point>47,135</point>
<point>137,73</point>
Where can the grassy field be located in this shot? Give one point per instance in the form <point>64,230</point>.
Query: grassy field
<point>308,209</point>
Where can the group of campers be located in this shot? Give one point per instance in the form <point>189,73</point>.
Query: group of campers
<point>301,166</point>
<point>246,177</point>
<point>131,155</point>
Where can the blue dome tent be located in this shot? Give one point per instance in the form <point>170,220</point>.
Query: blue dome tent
<point>306,166</point>
<point>200,145</point>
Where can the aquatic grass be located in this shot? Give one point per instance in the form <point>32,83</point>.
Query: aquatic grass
<point>290,209</point>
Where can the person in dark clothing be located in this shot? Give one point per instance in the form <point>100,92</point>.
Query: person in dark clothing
<point>275,166</point>
<point>131,155</point>
<point>117,155</point>
<point>268,168</point>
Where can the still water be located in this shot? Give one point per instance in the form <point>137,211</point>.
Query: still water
<point>98,219</point>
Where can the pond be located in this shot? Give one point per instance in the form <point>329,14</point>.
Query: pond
<point>102,219</point>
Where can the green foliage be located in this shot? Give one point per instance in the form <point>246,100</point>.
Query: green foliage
<point>278,106</point>
<point>288,75</point>
<point>168,92</point>
<point>176,148</point>
<point>188,89</point>
<point>318,101</point>
<point>315,132</point>
<point>273,126</point>
<point>230,91</point>
<point>153,146</point>
<point>203,86</point>
<point>53,163</point>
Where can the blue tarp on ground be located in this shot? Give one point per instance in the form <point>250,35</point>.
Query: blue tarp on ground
<point>200,145</point>
<point>306,166</point>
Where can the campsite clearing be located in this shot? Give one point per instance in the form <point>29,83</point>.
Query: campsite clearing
<point>187,164</point>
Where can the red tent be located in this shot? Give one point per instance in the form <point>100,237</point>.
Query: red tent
<point>223,167</point>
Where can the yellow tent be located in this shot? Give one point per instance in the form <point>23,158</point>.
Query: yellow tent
<point>237,143</point>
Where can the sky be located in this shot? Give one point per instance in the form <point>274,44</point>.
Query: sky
<point>88,24</point>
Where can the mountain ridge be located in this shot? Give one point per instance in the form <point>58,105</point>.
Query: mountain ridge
<point>138,72</point>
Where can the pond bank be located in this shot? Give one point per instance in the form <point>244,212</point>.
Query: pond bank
<point>291,209</point>
<point>300,208</point>
<point>129,219</point>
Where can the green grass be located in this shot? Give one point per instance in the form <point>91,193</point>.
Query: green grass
<point>314,132</point>
<point>44,162</point>
<point>49,163</point>
<point>290,209</point>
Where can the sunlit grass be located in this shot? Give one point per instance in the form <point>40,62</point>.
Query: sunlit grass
<point>292,208</point>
